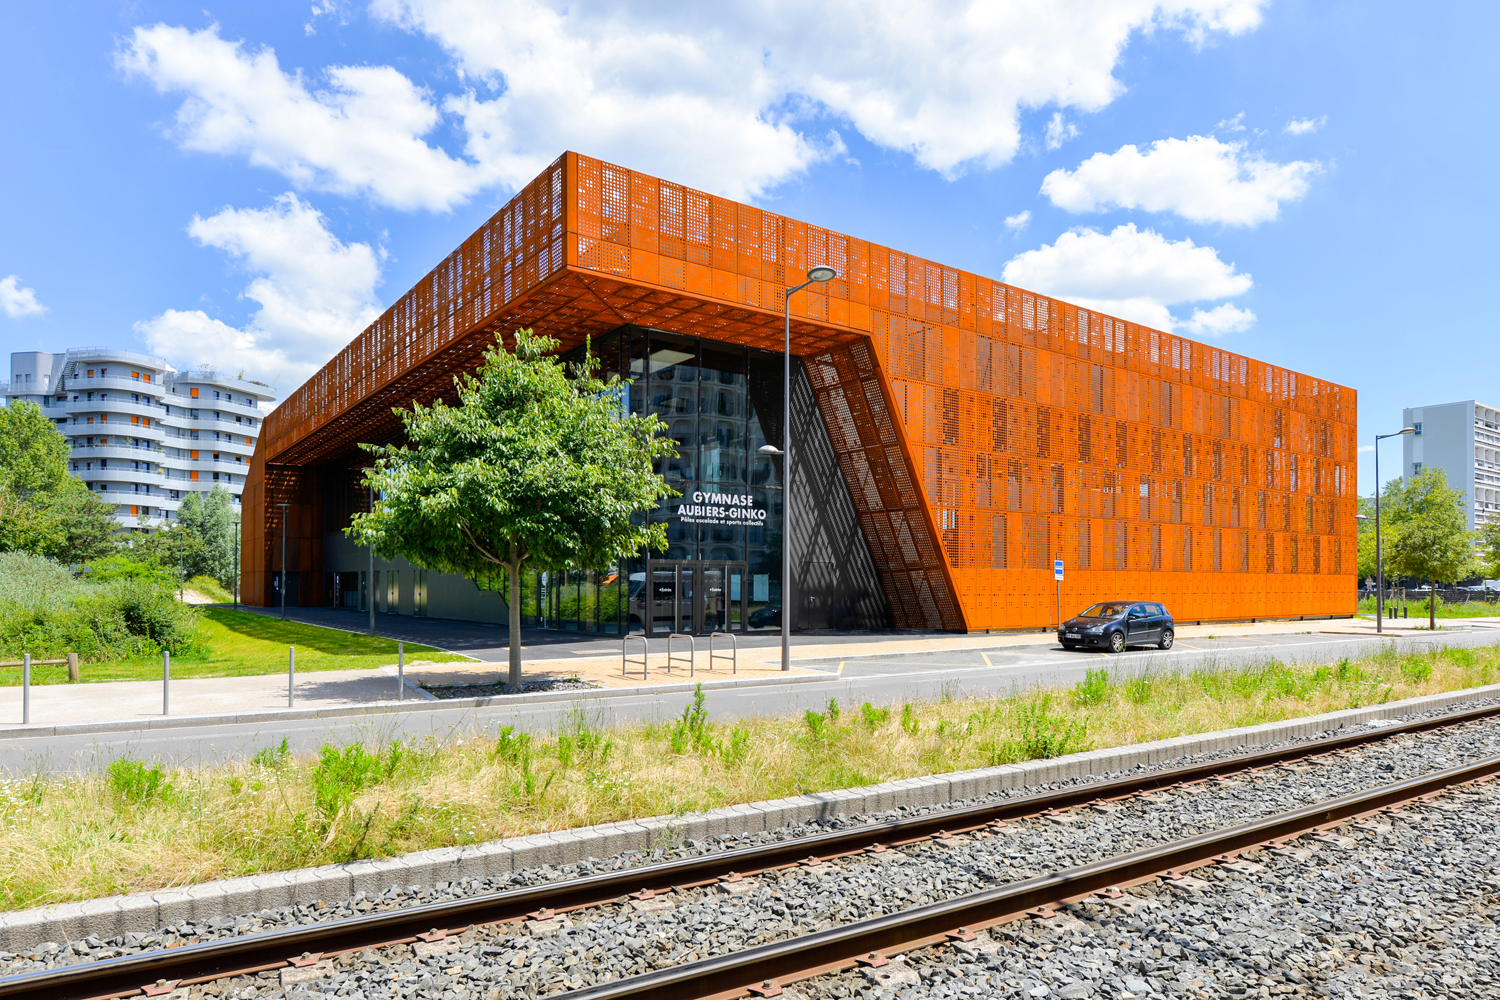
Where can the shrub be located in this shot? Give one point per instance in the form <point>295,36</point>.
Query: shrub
<point>1092,689</point>
<point>46,612</point>
<point>132,781</point>
<point>340,775</point>
<point>1041,734</point>
<point>1416,668</point>
<point>873,717</point>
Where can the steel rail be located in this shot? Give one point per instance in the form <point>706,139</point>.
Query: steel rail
<point>211,960</point>
<point>764,968</point>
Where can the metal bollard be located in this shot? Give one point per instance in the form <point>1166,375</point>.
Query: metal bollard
<point>166,682</point>
<point>400,671</point>
<point>25,689</point>
<point>73,676</point>
<point>291,676</point>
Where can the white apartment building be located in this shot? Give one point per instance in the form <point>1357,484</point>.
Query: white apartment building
<point>141,434</point>
<point>1462,439</point>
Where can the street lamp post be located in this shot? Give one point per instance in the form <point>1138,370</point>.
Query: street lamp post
<point>820,273</point>
<point>1380,566</point>
<point>370,579</point>
<point>283,507</point>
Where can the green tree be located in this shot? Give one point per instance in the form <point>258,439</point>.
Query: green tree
<point>1429,536</point>
<point>33,456</point>
<point>1366,567</point>
<point>43,510</point>
<point>212,518</point>
<point>84,527</point>
<point>534,469</point>
<point>1489,544</point>
<point>173,550</point>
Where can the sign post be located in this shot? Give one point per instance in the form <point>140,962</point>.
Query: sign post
<point>1057,575</point>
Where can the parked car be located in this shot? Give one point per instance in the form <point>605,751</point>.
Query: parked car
<point>1114,625</point>
<point>765,617</point>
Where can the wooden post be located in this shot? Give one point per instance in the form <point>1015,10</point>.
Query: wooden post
<point>73,677</point>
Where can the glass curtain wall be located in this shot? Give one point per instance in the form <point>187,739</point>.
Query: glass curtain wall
<point>719,403</point>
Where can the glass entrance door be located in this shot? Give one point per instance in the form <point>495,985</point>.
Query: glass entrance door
<point>697,596</point>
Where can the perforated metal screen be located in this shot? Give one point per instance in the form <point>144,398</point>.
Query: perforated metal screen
<point>983,430</point>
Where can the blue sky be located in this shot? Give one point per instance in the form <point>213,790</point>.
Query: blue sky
<point>1310,184</point>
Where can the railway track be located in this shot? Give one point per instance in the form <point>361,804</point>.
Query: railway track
<point>765,968</point>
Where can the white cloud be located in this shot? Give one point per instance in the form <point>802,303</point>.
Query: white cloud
<point>1135,274</point>
<point>1019,221</point>
<point>361,134</point>
<point>1218,321</point>
<point>17,301</point>
<point>1235,124</point>
<point>1305,126</point>
<point>315,293</point>
<point>712,94</point>
<point>1059,131</point>
<point>1198,178</point>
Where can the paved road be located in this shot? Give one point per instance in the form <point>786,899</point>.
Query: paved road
<point>1000,670</point>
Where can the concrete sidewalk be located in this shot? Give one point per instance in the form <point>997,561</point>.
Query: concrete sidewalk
<point>70,704</point>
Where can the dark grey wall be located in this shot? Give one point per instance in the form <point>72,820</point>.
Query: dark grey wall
<point>836,583</point>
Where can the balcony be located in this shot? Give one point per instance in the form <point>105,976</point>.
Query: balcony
<point>94,452</point>
<point>79,384</point>
<point>231,407</point>
<point>114,404</point>
<point>122,475</point>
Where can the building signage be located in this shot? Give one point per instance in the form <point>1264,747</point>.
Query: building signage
<point>721,508</point>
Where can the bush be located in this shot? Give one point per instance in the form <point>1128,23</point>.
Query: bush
<point>1092,689</point>
<point>44,611</point>
<point>132,781</point>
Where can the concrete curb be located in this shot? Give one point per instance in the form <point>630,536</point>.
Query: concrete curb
<point>425,702</point>
<point>21,930</point>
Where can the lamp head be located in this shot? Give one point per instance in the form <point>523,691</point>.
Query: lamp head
<point>1407,430</point>
<point>769,449</point>
<point>822,273</point>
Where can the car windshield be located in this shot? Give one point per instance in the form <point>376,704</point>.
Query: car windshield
<point>1104,611</point>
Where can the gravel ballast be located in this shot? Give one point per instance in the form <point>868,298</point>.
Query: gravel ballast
<point>634,936</point>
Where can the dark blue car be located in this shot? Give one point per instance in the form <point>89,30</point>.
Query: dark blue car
<point>1114,625</point>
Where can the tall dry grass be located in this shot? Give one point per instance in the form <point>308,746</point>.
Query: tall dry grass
<point>137,827</point>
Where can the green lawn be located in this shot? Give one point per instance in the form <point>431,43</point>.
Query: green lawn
<point>238,643</point>
<point>1417,607</point>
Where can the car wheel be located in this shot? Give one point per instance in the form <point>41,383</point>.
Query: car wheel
<point>1117,642</point>
<point>1070,645</point>
<point>1166,639</point>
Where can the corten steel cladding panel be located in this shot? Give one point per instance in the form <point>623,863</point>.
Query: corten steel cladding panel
<point>983,430</point>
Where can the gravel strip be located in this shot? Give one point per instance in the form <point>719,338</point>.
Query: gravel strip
<point>1397,906</point>
<point>635,936</point>
<point>445,692</point>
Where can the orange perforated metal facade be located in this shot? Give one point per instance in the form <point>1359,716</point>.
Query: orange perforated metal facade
<point>982,429</point>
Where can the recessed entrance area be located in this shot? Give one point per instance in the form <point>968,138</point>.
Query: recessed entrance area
<point>695,596</point>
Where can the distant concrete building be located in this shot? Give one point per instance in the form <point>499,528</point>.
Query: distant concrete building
<point>1462,439</point>
<point>141,434</point>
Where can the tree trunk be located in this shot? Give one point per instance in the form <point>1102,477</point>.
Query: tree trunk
<point>515,618</point>
<point>1432,605</point>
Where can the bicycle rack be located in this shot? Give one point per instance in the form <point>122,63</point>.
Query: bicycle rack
<point>673,657</point>
<point>625,659</point>
<point>733,656</point>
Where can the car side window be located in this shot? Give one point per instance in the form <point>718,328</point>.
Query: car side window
<point>1157,609</point>
<point>1137,611</point>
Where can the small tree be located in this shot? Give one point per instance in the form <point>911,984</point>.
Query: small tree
<point>534,469</point>
<point>1366,552</point>
<point>1429,534</point>
<point>211,517</point>
<point>1489,545</point>
<point>43,510</point>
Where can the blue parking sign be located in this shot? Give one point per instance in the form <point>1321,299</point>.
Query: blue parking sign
<point>1057,569</point>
